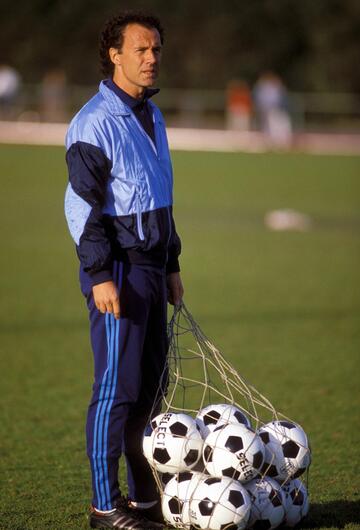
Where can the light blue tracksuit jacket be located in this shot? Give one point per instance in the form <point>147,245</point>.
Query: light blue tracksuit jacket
<point>118,202</point>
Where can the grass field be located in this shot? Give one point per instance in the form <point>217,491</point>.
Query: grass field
<point>283,307</point>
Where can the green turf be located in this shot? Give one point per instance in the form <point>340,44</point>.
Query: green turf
<point>283,307</point>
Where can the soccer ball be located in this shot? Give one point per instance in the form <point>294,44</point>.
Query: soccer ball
<point>267,504</point>
<point>296,501</point>
<point>233,451</point>
<point>287,450</point>
<point>176,498</point>
<point>218,504</point>
<point>212,416</point>
<point>165,478</point>
<point>172,443</point>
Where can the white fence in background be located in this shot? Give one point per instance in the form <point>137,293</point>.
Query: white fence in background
<point>186,139</point>
<point>337,112</point>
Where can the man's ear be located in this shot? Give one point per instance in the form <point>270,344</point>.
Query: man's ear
<point>115,56</point>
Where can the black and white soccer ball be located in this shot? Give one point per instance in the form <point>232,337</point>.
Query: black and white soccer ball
<point>176,498</point>
<point>296,501</point>
<point>233,451</point>
<point>287,450</point>
<point>219,504</point>
<point>267,504</point>
<point>172,443</point>
<point>165,478</point>
<point>212,416</point>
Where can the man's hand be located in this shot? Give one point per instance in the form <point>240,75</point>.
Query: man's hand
<point>106,298</point>
<point>175,288</point>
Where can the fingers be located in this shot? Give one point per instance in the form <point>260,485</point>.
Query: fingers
<point>175,289</point>
<point>106,298</point>
<point>101,307</point>
<point>110,307</point>
<point>178,297</point>
<point>170,297</point>
<point>116,308</point>
<point>175,295</point>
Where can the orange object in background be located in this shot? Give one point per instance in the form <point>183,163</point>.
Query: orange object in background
<point>239,105</point>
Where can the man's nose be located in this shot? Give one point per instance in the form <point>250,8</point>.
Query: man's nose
<point>151,57</point>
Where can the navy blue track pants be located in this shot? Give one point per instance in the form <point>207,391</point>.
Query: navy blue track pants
<point>129,360</point>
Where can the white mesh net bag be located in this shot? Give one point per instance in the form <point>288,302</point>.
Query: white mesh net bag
<point>222,456</point>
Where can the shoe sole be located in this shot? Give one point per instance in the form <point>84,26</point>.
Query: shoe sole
<point>100,524</point>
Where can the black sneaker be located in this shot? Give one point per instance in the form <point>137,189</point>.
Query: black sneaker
<point>122,517</point>
<point>152,514</point>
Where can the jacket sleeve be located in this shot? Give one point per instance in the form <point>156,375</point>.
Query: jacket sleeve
<point>89,171</point>
<point>174,249</point>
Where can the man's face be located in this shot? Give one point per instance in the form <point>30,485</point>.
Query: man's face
<point>137,64</point>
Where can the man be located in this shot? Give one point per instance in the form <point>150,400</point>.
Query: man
<point>119,210</point>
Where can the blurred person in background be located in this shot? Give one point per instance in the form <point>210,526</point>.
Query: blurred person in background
<point>271,102</point>
<point>239,105</point>
<point>10,83</point>
<point>53,96</point>
<point>119,210</point>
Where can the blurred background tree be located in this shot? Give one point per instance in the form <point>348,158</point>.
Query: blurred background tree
<point>313,45</point>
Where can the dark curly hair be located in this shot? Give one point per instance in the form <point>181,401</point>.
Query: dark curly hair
<point>112,35</point>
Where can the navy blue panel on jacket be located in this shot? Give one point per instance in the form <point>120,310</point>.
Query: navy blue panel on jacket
<point>140,108</point>
<point>118,202</point>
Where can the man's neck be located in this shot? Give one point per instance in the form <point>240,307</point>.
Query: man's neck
<point>134,91</point>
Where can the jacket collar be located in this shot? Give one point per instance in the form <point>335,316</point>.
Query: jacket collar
<point>118,100</point>
<point>129,100</point>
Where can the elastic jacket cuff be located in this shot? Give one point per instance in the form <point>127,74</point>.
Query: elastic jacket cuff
<point>100,276</point>
<point>172,265</point>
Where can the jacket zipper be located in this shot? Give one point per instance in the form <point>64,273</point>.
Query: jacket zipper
<point>138,215</point>
<point>168,241</point>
